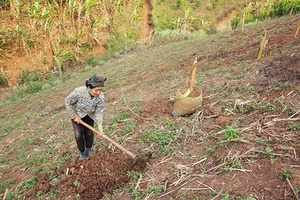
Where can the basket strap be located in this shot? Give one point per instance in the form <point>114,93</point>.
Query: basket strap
<point>182,96</point>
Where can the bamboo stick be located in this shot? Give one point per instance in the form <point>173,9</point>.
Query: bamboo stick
<point>297,29</point>
<point>191,78</point>
<point>262,44</point>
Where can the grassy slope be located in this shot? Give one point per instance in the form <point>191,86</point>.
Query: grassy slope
<point>208,11</point>
<point>36,133</point>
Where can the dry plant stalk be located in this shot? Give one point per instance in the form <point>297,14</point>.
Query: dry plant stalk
<point>191,79</point>
<point>262,44</point>
<point>243,21</point>
<point>5,194</point>
<point>297,29</point>
<point>293,189</point>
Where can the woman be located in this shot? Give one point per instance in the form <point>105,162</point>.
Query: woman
<point>86,103</point>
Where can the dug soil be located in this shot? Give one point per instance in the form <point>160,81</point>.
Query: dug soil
<point>93,177</point>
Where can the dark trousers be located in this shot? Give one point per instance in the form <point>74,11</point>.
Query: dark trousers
<point>84,137</point>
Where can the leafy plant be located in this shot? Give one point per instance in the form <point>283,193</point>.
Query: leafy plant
<point>91,60</point>
<point>225,196</point>
<point>62,57</point>
<point>3,79</point>
<point>231,133</point>
<point>245,107</point>
<point>161,137</point>
<point>117,117</point>
<point>211,149</point>
<point>284,173</point>
<point>268,151</point>
<point>285,7</point>
<point>294,127</point>
<point>235,165</point>
<point>28,183</point>
<point>76,183</point>
<point>186,23</point>
<point>244,198</point>
<point>134,174</point>
<point>34,87</point>
<point>12,194</point>
<point>5,184</point>
<point>268,107</point>
<point>263,10</point>
<point>215,3</point>
<point>260,140</point>
<point>129,127</point>
<point>4,3</point>
<point>155,189</point>
<point>28,76</point>
<point>35,160</point>
<point>170,123</point>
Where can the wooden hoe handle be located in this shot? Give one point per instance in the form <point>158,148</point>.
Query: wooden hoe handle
<point>132,155</point>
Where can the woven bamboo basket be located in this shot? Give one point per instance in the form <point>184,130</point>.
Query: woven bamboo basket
<point>189,98</point>
<point>183,104</point>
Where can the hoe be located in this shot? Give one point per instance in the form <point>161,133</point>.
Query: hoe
<point>135,158</point>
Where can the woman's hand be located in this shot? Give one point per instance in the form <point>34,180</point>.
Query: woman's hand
<point>77,119</point>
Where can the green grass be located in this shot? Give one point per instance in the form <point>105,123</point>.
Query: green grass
<point>5,184</point>
<point>161,137</point>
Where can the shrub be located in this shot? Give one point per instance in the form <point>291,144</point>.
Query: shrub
<point>3,80</point>
<point>285,7</point>
<point>4,3</point>
<point>34,87</point>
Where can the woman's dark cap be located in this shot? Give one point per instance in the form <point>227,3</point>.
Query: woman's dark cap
<point>96,81</point>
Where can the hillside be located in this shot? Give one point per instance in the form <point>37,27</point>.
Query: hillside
<point>47,36</point>
<point>241,144</point>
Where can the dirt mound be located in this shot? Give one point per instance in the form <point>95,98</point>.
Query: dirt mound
<point>92,178</point>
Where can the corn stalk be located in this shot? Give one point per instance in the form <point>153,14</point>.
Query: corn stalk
<point>243,21</point>
<point>262,44</point>
<point>16,5</point>
<point>297,29</point>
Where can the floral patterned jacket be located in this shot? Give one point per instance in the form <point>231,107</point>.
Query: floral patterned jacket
<point>80,103</point>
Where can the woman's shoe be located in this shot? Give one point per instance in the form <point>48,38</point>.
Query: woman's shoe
<point>89,152</point>
<point>82,156</point>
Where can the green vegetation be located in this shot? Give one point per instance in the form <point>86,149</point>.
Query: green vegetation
<point>264,10</point>
<point>117,25</point>
<point>28,183</point>
<point>285,7</point>
<point>78,26</point>
<point>285,173</point>
<point>155,189</point>
<point>162,137</point>
<point>268,107</point>
<point>269,152</point>
<point>231,133</point>
<point>3,79</point>
<point>5,184</point>
<point>235,165</point>
<point>294,127</point>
